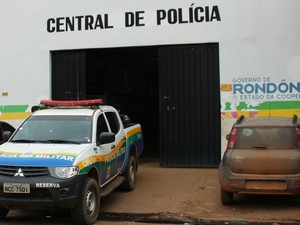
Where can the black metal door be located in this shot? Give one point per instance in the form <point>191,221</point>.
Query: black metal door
<point>190,106</point>
<point>68,75</point>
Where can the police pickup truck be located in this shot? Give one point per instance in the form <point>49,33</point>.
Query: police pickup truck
<point>68,154</point>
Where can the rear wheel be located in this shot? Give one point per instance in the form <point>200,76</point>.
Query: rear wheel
<point>86,212</point>
<point>3,213</point>
<point>130,175</point>
<point>226,197</point>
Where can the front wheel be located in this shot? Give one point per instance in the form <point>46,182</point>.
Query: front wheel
<point>3,213</point>
<point>130,174</point>
<point>86,212</point>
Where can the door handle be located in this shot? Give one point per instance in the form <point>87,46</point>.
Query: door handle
<point>112,146</point>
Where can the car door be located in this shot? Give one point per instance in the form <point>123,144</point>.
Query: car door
<point>105,150</point>
<point>119,148</point>
<point>265,150</point>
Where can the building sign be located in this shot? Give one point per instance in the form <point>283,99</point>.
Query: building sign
<point>263,88</point>
<point>260,96</point>
<point>192,14</point>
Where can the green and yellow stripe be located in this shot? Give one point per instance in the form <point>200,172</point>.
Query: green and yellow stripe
<point>14,112</point>
<point>270,108</point>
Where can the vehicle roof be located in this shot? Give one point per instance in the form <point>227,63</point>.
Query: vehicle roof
<point>267,121</point>
<point>71,111</point>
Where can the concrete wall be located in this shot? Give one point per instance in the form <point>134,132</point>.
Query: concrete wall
<point>259,46</point>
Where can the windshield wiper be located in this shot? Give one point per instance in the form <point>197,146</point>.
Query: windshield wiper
<point>44,141</point>
<point>30,141</point>
<point>61,141</point>
<point>262,146</point>
<point>24,141</point>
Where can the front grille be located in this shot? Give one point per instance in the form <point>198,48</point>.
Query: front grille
<point>35,193</point>
<point>10,171</point>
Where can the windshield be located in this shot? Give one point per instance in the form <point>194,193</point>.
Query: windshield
<point>55,129</point>
<point>266,138</point>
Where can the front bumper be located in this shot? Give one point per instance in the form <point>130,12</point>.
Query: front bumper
<point>45,192</point>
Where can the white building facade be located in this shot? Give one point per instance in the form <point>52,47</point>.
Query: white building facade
<point>258,47</point>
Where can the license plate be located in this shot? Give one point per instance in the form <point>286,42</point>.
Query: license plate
<point>16,188</point>
<point>266,185</point>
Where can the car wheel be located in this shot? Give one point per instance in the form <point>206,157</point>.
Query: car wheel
<point>86,212</point>
<point>226,197</point>
<point>130,175</point>
<point>3,213</point>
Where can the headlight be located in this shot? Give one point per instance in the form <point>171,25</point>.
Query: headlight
<point>64,172</point>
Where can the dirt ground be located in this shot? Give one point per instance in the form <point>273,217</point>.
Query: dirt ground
<point>181,192</point>
<point>195,192</point>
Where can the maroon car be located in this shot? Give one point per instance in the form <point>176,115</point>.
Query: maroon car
<point>262,157</point>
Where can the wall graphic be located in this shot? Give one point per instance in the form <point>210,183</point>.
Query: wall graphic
<point>14,112</point>
<point>260,96</point>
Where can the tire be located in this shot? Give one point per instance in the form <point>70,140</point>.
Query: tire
<point>226,197</point>
<point>3,213</point>
<point>86,212</point>
<point>130,175</point>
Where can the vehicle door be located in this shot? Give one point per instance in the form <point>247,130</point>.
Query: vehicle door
<point>105,150</point>
<point>265,150</point>
<point>118,153</point>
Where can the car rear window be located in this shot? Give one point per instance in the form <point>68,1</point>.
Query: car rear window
<point>266,138</point>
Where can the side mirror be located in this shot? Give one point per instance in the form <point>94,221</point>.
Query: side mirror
<point>227,136</point>
<point>6,135</point>
<point>106,137</point>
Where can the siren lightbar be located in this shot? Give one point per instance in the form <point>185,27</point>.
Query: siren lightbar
<point>72,103</point>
